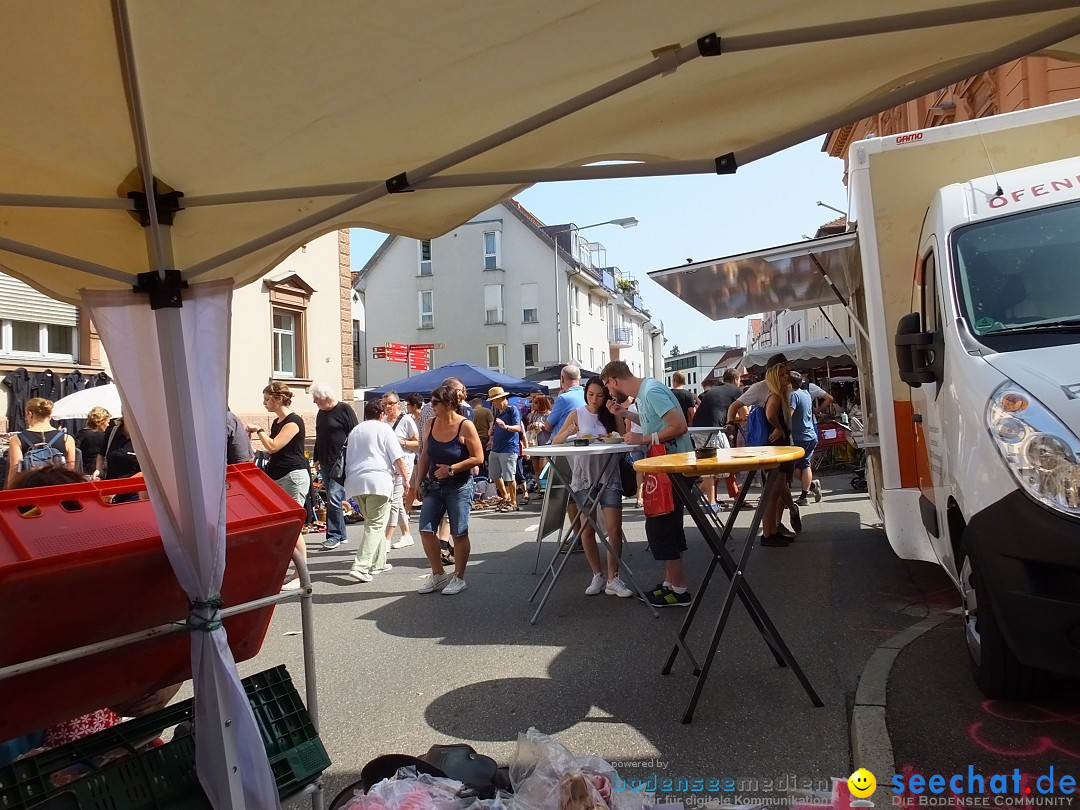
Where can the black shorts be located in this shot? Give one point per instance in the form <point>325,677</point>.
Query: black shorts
<point>667,539</point>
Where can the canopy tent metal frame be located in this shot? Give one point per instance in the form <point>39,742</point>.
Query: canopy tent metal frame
<point>235,780</point>
<point>665,62</point>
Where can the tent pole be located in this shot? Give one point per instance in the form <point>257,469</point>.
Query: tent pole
<point>59,259</point>
<point>909,92</point>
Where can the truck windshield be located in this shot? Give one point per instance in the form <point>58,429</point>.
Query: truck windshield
<point>1022,272</point>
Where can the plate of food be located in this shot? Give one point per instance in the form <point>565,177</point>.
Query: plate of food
<point>612,438</point>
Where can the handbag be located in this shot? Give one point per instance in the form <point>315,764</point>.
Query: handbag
<point>658,497</point>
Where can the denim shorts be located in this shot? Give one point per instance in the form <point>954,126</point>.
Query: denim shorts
<point>452,500</point>
<point>610,498</point>
<point>808,449</point>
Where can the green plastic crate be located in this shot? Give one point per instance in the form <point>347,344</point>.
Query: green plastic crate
<point>164,778</point>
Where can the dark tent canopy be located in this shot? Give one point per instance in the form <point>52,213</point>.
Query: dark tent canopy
<point>477,381</point>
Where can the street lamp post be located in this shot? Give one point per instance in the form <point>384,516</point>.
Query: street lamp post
<point>622,222</point>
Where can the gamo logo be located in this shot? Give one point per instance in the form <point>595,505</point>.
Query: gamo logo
<point>911,137</point>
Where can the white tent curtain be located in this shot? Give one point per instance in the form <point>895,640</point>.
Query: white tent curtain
<point>171,366</point>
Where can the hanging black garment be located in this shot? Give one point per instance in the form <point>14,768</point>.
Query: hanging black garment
<point>45,384</point>
<point>18,384</point>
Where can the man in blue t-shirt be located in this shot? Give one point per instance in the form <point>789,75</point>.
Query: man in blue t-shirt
<point>572,397</point>
<point>662,422</point>
<point>804,435</point>
<point>506,434</point>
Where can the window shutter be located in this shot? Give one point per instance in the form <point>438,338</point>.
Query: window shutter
<point>21,302</point>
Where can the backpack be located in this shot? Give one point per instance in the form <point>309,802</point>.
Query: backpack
<point>757,427</point>
<point>43,454</point>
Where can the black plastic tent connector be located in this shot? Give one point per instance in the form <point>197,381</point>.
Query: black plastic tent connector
<point>398,184</point>
<point>167,206</point>
<point>163,292</point>
<point>709,45</point>
<point>726,164</point>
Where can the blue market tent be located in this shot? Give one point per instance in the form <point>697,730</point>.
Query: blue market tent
<point>477,381</point>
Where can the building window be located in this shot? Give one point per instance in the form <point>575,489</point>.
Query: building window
<point>51,340</point>
<point>495,357</point>
<point>286,343</point>
<point>577,352</point>
<point>530,297</point>
<point>493,304</point>
<point>603,310</point>
<point>289,299</point>
<point>576,308</point>
<point>603,355</point>
<point>794,333</point>
<point>425,257</point>
<point>532,354</point>
<point>590,306</point>
<point>592,358</point>
<point>639,331</point>
<point>427,309</point>
<point>491,250</point>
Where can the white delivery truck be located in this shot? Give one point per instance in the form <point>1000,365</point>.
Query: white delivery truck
<point>961,272</point>
<point>969,236</point>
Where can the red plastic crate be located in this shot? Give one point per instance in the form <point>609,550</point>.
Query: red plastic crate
<point>77,571</point>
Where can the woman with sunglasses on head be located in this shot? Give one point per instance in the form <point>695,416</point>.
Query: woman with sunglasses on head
<point>451,449</point>
<point>594,418</point>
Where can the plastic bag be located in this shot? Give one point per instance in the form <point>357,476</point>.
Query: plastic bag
<point>657,497</point>
<point>546,776</point>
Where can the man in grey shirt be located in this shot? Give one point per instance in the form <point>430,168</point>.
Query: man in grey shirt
<point>237,443</point>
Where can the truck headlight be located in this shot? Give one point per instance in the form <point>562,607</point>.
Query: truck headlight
<point>1040,451</point>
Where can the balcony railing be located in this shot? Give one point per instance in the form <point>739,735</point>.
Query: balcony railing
<point>621,336</point>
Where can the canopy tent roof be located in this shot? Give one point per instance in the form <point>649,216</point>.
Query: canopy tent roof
<point>785,277</point>
<point>268,151</point>
<point>477,381</point>
<point>804,355</point>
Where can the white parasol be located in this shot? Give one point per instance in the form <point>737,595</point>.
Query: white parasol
<point>79,404</point>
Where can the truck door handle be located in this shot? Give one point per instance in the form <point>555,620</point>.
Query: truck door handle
<point>916,418</point>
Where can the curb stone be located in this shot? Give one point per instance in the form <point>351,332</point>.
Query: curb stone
<point>871,746</point>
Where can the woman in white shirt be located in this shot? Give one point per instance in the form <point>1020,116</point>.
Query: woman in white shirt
<point>595,418</point>
<point>373,456</point>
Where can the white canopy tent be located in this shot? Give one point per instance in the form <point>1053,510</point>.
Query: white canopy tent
<point>827,350</point>
<point>252,127</point>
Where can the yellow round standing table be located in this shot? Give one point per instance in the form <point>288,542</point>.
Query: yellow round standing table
<point>683,469</point>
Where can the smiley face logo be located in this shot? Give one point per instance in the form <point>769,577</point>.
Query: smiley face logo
<point>862,784</point>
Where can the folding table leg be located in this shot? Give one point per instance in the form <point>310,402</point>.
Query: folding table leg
<point>736,587</point>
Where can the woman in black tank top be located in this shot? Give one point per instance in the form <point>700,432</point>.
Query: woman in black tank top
<point>451,449</point>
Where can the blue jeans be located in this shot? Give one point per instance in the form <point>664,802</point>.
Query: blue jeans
<point>335,517</point>
<point>453,500</point>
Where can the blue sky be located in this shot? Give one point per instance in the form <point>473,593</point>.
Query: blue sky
<point>769,202</point>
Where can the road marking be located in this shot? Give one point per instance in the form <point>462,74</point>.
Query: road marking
<point>532,528</point>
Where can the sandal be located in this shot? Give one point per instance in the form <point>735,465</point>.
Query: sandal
<point>524,500</point>
<point>447,558</point>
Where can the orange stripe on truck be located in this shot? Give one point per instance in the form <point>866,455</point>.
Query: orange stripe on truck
<point>905,443</point>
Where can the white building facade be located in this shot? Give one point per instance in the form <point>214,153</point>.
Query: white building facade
<point>495,292</point>
<point>695,365</point>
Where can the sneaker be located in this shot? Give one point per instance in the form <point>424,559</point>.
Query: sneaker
<point>815,487</point>
<point>616,587</point>
<point>402,542</point>
<point>292,585</point>
<point>796,518</point>
<point>801,500</point>
<point>331,544</point>
<point>385,567</point>
<point>455,585</point>
<point>666,597</point>
<point>434,582</point>
<point>776,541</point>
<point>784,531</point>
<point>596,585</point>
<point>360,576</point>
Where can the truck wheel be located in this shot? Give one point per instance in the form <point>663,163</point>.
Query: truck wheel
<point>997,672</point>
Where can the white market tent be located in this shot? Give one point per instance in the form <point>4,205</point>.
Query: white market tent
<point>826,350</point>
<point>255,126</point>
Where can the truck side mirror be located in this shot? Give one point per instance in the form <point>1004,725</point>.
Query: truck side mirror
<point>914,351</point>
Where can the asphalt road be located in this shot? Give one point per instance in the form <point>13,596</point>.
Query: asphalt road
<point>399,672</point>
